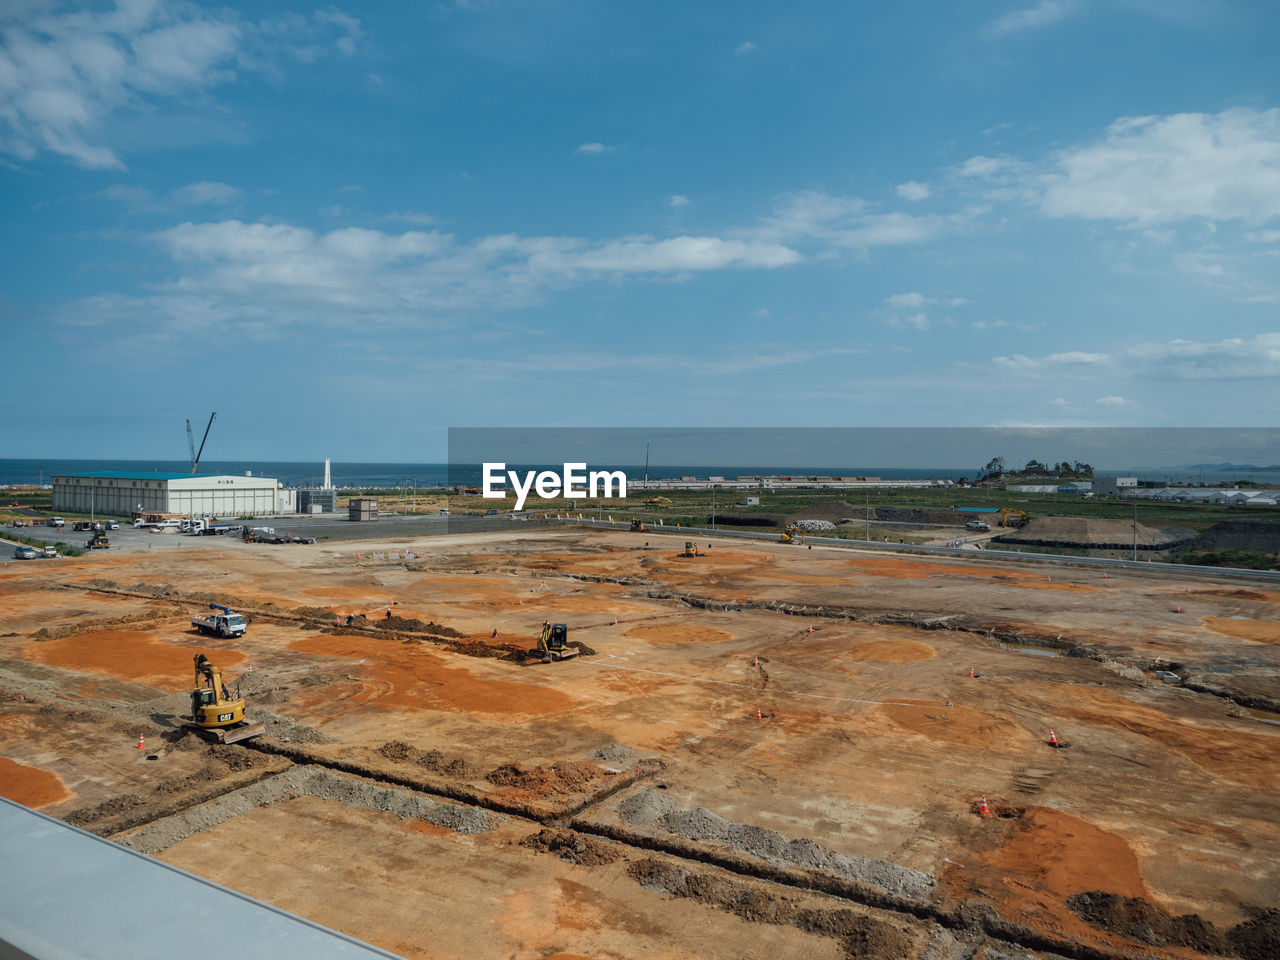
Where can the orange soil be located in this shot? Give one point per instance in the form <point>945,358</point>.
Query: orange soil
<point>137,656</point>
<point>892,651</point>
<point>30,786</point>
<point>372,595</point>
<point>671,633</point>
<point>959,726</point>
<point>1047,857</point>
<point>919,569</point>
<point>1253,631</point>
<point>400,676</point>
<point>1228,753</point>
<point>1046,585</point>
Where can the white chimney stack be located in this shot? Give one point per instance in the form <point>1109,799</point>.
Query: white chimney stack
<point>327,484</point>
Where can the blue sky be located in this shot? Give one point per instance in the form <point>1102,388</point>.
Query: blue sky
<point>348,228</point>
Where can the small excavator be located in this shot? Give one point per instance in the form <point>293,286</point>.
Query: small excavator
<point>1012,517</point>
<point>637,526</point>
<point>690,550</point>
<point>792,535</point>
<point>554,642</point>
<point>214,712</point>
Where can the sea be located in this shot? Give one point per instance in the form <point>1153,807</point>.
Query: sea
<point>304,473</point>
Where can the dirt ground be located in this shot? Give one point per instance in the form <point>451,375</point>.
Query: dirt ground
<point>767,750</point>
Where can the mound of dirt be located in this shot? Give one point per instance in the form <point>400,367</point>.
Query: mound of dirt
<point>1257,938</point>
<point>572,847</point>
<point>1262,536</point>
<point>646,808</point>
<point>1088,533</point>
<point>561,778</point>
<point>1138,919</point>
<point>432,760</point>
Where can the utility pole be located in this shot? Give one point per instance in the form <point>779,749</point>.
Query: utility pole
<point>646,465</point>
<point>1135,525</point>
<point>868,493</point>
<point>713,507</point>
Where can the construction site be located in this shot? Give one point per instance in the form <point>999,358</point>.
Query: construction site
<point>559,742</point>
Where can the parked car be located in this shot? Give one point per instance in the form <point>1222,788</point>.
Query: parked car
<point>112,525</point>
<point>977,525</point>
<point>57,522</point>
<point>19,523</point>
<point>82,525</point>
<point>25,553</point>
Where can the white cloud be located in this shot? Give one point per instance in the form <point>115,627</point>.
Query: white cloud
<point>191,195</point>
<point>1042,15</point>
<point>1058,402</point>
<point>1072,358</point>
<point>593,148</point>
<point>64,73</point>
<point>847,222</point>
<point>411,216</point>
<point>919,320</point>
<point>1228,359</point>
<point>744,47</point>
<point>1154,170</point>
<point>911,190</point>
<point>678,200</point>
<point>905,301</point>
<point>206,191</point>
<point>1112,401</point>
<point>1264,236</point>
<point>994,169</point>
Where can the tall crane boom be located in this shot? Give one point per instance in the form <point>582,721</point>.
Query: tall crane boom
<point>191,444</point>
<point>195,461</point>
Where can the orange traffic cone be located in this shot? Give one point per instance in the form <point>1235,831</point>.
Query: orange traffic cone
<point>755,662</point>
<point>983,809</point>
<point>615,621</point>
<point>142,743</point>
<point>971,674</point>
<point>1186,589</point>
<point>759,715</point>
<point>1178,608</point>
<point>1053,739</point>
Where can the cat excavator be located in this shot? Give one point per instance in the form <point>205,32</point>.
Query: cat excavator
<point>554,642</point>
<point>792,535</point>
<point>214,712</point>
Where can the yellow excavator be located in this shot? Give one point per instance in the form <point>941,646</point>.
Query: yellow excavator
<point>214,711</point>
<point>792,535</point>
<point>690,550</point>
<point>1009,517</point>
<point>658,501</point>
<point>554,642</point>
<point>637,526</point>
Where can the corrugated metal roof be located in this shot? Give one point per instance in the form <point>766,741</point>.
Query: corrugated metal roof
<point>68,893</point>
<point>141,475</point>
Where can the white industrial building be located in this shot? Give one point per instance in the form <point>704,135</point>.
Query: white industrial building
<point>124,494</point>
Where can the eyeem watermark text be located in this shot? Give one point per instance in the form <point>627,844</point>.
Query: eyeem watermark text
<point>548,484</point>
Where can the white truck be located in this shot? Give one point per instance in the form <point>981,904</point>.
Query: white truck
<point>225,624</point>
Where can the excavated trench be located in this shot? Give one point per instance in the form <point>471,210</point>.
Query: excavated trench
<point>471,811</point>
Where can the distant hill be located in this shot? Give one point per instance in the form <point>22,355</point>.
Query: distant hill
<point>1227,466</point>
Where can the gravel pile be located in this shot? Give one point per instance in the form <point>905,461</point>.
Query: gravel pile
<point>616,753</point>
<point>306,782</point>
<point>646,808</point>
<point>650,808</point>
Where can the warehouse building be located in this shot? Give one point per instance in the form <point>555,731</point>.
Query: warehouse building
<point>121,494</point>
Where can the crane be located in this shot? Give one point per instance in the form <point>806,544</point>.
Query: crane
<point>191,442</point>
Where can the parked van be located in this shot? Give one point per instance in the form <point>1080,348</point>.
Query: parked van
<point>57,522</point>
<point>164,525</point>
